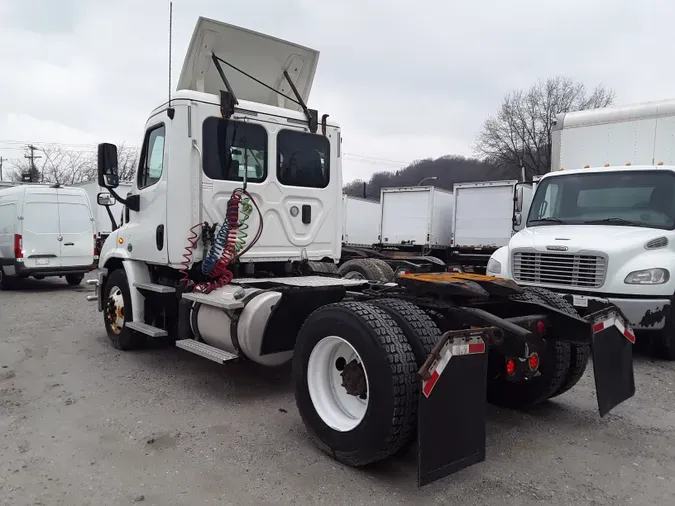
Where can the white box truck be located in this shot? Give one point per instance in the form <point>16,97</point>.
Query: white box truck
<point>601,228</point>
<point>231,267</point>
<point>417,216</point>
<point>45,231</point>
<point>486,215</point>
<point>360,221</point>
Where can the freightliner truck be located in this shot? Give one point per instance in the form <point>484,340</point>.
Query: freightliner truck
<point>601,227</point>
<point>228,249</point>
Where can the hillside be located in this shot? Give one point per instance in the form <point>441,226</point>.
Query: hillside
<point>447,169</point>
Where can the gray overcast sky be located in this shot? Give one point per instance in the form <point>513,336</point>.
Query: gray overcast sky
<point>405,80</point>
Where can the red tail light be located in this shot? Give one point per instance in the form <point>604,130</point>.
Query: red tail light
<point>18,246</point>
<point>97,251</point>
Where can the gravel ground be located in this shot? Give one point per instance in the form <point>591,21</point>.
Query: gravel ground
<point>84,424</point>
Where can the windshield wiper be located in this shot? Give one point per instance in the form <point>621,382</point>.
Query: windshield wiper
<point>618,221</point>
<point>551,219</point>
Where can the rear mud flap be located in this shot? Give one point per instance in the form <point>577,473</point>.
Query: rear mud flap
<point>613,343</point>
<point>452,406</point>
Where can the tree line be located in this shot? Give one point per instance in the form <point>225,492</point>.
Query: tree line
<point>516,140</point>
<point>512,143</point>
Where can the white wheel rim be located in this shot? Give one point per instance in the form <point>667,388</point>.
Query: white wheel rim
<point>338,409</point>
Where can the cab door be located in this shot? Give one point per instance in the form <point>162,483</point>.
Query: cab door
<point>146,233</point>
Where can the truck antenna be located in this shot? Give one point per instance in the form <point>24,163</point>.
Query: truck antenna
<point>170,111</point>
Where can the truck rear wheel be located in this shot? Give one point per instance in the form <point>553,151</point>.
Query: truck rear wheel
<point>554,364</point>
<point>116,310</point>
<point>554,370</point>
<point>362,268</point>
<point>579,353</point>
<point>356,385</point>
<point>418,327</point>
<point>385,268</point>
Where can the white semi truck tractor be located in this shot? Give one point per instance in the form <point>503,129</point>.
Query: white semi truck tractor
<point>601,227</point>
<point>228,249</point>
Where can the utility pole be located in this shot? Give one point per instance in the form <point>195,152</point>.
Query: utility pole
<point>32,172</point>
<point>1,168</point>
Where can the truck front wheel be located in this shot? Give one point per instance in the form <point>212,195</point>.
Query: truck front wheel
<point>356,385</point>
<point>117,310</point>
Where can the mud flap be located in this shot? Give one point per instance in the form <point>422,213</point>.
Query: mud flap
<point>452,406</point>
<point>613,343</point>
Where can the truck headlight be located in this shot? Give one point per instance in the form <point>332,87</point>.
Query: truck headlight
<point>494,266</point>
<point>648,277</point>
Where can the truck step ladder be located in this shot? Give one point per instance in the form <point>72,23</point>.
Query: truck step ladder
<point>146,329</point>
<point>155,287</point>
<point>206,351</point>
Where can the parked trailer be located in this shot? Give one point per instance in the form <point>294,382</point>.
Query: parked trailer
<point>414,209</point>
<point>485,217</point>
<point>230,268</point>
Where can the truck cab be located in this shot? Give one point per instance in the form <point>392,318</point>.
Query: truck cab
<point>600,235</point>
<point>203,144</point>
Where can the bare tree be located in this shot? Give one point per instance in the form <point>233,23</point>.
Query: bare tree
<point>127,162</point>
<point>67,166</point>
<point>520,134</point>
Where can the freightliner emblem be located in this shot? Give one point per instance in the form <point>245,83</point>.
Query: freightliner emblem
<point>556,248</point>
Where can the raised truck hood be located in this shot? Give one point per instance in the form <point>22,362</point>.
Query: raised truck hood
<point>257,54</point>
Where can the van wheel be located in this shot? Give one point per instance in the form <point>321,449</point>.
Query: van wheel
<point>116,309</point>
<point>356,385</point>
<point>6,282</point>
<point>74,279</point>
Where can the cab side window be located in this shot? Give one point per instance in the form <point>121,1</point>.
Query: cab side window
<point>152,157</point>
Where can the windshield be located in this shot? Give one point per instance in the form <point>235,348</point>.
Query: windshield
<point>628,198</point>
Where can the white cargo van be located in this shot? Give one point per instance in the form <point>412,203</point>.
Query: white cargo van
<point>45,231</point>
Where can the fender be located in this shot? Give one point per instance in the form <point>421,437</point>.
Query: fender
<point>137,272</point>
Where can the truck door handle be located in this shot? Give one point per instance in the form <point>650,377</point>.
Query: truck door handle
<point>159,237</point>
<point>306,213</point>
<point>69,244</point>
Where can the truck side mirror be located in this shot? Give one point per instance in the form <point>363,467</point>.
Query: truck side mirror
<point>517,219</point>
<point>519,199</point>
<point>107,166</point>
<point>105,199</point>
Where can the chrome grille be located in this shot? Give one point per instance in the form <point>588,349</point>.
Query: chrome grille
<point>565,269</point>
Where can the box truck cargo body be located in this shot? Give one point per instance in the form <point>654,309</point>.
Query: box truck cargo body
<point>416,216</point>
<point>637,134</point>
<point>360,221</point>
<point>484,213</point>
